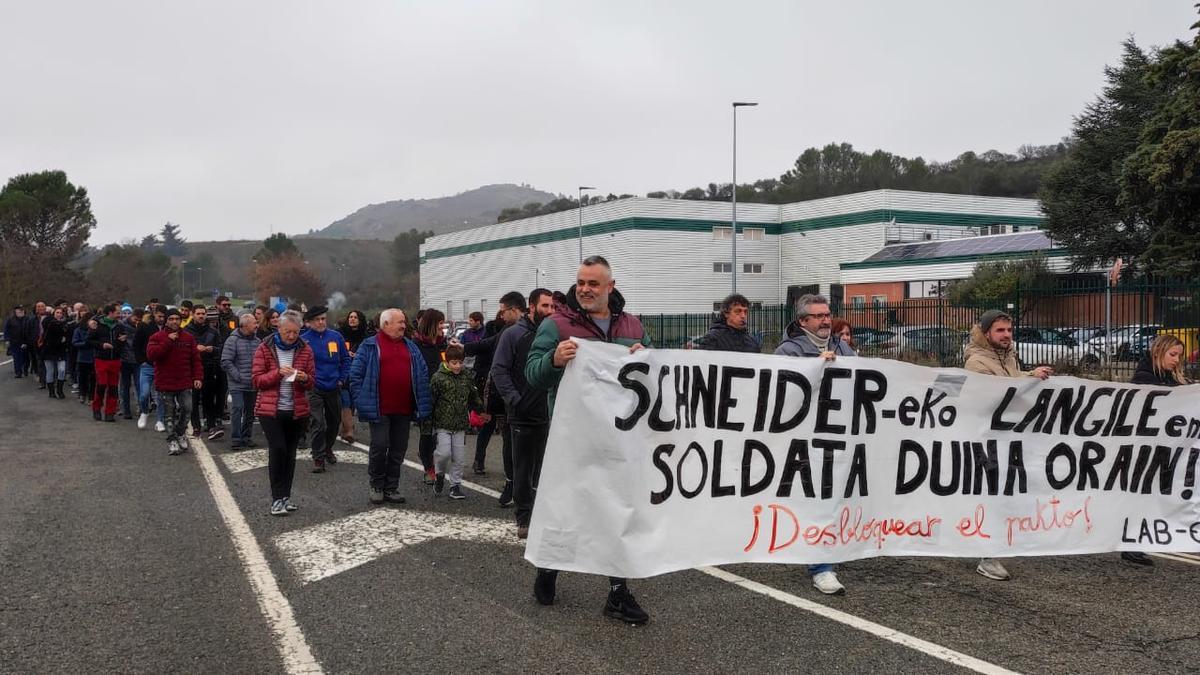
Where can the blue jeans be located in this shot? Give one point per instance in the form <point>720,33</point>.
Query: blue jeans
<point>146,388</point>
<point>55,365</point>
<point>814,570</point>
<point>241,417</point>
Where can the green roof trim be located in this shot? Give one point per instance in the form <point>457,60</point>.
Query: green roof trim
<point>689,225</point>
<point>906,218</point>
<point>983,257</point>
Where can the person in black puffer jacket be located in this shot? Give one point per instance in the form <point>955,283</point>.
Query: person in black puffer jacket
<point>204,405</point>
<point>728,332</point>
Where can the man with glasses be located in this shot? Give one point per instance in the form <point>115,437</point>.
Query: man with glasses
<point>227,324</point>
<point>811,335</point>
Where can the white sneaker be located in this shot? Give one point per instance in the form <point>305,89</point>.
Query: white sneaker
<point>142,420</point>
<point>279,507</point>
<point>183,442</point>
<point>160,427</point>
<point>827,583</point>
<point>992,569</point>
<point>173,448</point>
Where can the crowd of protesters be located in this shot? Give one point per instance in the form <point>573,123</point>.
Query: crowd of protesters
<point>305,381</point>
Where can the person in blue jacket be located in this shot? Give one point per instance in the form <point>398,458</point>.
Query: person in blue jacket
<point>389,386</point>
<point>333,372</point>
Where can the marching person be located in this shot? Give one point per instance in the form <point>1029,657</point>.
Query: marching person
<point>593,309</point>
<point>55,346</point>
<point>332,362</point>
<point>991,352</point>
<point>204,412</point>
<point>729,332</point>
<point>390,389</point>
<point>526,411</point>
<point>226,324</point>
<point>237,360</point>
<point>152,321</point>
<point>177,372</point>
<point>127,388</point>
<point>283,372</point>
<point>454,397</point>
<point>108,341</point>
<point>17,335</point>
<point>512,308</point>
<point>811,335</point>
<point>431,340</point>
<point>354,329</point>
<point>84,358</point>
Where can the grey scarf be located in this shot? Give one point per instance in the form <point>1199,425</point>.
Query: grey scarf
<point>822,344</point>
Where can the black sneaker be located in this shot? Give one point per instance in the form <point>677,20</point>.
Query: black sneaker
<point>479,470</point>
<point>318,466</point>
<point>506,495</point>
<point>622,606</point>
<point>110,418</point>
<point>543,586</point>
<point>439,484</point>
<point>1137,558</point>
<point>393,498</point>
<point>330,458</point>
<point>376,496</point>
<point>456,492</point>
<point>96,415</point>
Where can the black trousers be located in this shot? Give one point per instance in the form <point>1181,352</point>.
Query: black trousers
<point>528,449</point>
<point>86,376</point>
<point>204,402</point>
<point>283,435</point>
<point>425,447</point>
<point>385,458</point>
<point>326,418</point>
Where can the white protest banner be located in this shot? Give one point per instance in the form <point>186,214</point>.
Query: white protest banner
<point>668,459</point>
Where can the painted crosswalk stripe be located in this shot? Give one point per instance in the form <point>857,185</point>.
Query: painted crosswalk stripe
<point>476,487</point>
<point>324,550</point>
<point>248,460</point>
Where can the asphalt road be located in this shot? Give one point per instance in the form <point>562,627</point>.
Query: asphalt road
<point>116,557</point>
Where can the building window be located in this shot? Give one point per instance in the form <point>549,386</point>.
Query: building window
<point>858,301</point>
<point>722,268</point>
<point>878,300</point>
<point>722,233</point>
<point>752,268</point>
<point>753,233</point>
<point>993,229</point>
<point>755,305</point>
<point>925,289</point>
<point>717,306</point>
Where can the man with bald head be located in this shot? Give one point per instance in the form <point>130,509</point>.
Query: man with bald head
<point>389,387</point>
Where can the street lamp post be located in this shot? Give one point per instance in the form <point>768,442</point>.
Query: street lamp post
<point>581,189</point>
<point>733,195</point>
<point>200,281</point>
<point>182,280</point>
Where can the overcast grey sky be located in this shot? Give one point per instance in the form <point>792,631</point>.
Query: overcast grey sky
<point>230,117</point>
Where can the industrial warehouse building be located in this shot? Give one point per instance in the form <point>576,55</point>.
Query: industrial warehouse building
<point>674,256</point>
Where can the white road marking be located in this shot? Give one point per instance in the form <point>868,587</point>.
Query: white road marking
<point>481,489</point>
<point>256,458</point>
<point>5,363</point>
<point>1190,558</point>
<point>321,551</point>
<point>935,650</point>
<point>289,639</point>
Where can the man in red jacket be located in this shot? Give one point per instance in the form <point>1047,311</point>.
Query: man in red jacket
<point>177,371</point>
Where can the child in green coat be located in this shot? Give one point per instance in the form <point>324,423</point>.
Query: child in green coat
<point>454,397</point>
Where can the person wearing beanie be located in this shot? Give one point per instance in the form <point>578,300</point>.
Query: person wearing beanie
<point>990,351</point>
<point>177,372</point>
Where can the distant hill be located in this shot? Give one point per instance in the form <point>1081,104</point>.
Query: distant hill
<point>473,208</point>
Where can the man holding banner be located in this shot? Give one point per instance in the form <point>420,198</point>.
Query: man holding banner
<point>991,352</point>
<point>811,335</point>
<point>593,310</point>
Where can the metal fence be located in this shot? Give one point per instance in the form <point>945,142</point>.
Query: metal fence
<point>1079,325</point>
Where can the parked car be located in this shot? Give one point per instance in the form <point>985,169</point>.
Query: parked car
<point>1082,334</point>
<point>1047,346</point>
<point>1121,337</point>
<point>945,344</point>
<point>867,338</point>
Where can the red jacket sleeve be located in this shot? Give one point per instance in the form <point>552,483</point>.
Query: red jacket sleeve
<point>308,365</point>
<point>263,372</point>
<point>155,349</point>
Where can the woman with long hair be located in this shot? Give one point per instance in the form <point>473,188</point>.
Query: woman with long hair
<point>1162,366</point>
<point>354,329</point>
<point>270,323</point>
<point>431,340</point>
<point>55,346</point>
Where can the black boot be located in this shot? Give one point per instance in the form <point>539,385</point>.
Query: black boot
<point>543,586</point>
<point>1137,558</point>
<point>506,495</point>
<point>52,389</point>
<point>58,389</point>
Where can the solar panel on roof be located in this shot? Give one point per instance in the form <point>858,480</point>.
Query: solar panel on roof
<point>1008,243</point>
